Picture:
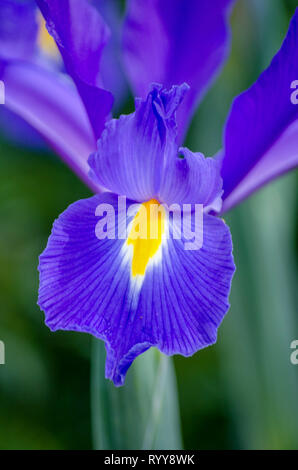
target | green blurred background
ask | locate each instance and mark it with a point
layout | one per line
(240, 393)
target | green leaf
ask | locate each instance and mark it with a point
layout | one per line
(261, 383)
(144, 413)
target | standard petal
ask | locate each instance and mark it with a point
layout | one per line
(261, 130)
(176, 41)
(190, 178)
(81, 35)
(51, 105)
(87, 285)
(132, 150)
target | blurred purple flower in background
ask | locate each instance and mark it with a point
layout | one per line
(169, 42)
(29, 45)
(39, 95)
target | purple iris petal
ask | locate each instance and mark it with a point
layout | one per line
(270, 166)
(261, 131)
(190, 178)
(131, 152)
(81, 35)
(88, 284)
(85, 285)
(176, 41)
(51, 105)
(18, 29)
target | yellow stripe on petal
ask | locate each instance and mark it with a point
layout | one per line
(148, 227)
(44, 40)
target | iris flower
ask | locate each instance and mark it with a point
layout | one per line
(136, 293)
